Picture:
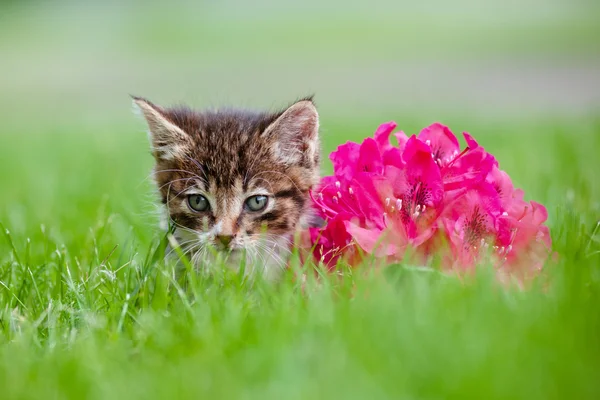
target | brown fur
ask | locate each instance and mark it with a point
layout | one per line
(229, 154)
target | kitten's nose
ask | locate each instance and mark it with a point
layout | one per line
(224, 239)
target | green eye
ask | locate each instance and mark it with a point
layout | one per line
(257, 203)
(198, 202)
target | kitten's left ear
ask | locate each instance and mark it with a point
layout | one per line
(295, 135)
(168, 140)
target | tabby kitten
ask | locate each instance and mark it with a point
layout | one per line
(235, 184)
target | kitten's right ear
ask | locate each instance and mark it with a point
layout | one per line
(167, 139)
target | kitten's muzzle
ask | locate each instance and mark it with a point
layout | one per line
(224, 240)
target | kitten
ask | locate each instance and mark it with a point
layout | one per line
(235, 184)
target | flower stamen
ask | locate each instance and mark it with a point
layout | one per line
(399, 204)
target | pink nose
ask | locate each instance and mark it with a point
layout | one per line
(224, 239)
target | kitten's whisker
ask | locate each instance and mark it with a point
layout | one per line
(255, 256)
(259, 156)
(175, 180)
(169, 192)
(268, 183)
(187, 247)
(184, 253)
(264, 261)
(276, 244)
(153, 174)
(183, 246)
(195, 259)
(168, 199)
(280, 173)
(274, 241)
(287, 240)
(250, 258)
(183, 228)
(200, 167)
(276, 257)
(177, 170)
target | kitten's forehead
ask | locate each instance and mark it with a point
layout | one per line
(226, 145)
(233, 124)
(231, 153)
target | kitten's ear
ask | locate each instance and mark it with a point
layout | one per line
(168, 140)
(295, 134)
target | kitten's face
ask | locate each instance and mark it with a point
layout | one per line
(235, 184)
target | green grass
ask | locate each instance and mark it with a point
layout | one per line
(89, 310)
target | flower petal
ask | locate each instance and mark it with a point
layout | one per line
(369, 159)
(372, 241)
(441, 140)
(382, 134)
(471, 142)
(469, 169)
(344, 160)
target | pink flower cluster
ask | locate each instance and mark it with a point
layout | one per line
(425, 198)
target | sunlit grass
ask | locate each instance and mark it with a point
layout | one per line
(88, 308)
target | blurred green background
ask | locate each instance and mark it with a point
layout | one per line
(86, 312)
(513, 73)
(78, 59)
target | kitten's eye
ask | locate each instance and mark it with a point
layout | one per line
(257, 203)
(198, 202)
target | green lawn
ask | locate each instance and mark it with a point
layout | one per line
(89, 310)
(86, 309)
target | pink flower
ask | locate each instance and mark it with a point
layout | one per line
(382, 135)
(470, 224)
(411, 198)
(524, 242)
(330, 243)
(422, 194)
(467, 169)
(444, 145)
(531, 243)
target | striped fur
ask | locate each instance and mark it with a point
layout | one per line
(228, 156)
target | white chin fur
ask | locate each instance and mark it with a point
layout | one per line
(267, 258)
